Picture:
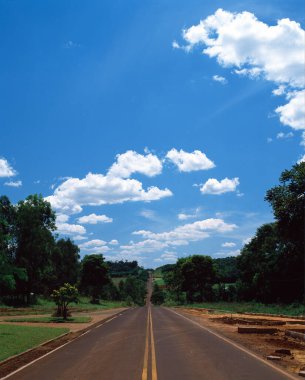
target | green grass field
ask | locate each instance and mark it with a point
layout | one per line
(51, 320)
(159, 281)
(252, 307)
(45, 306)
(16, 339)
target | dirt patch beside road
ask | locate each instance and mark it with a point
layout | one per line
(262, 344)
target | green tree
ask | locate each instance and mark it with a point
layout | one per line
(288, 203)
(9, 272)
(258, 264)
(158, 295)
(63, 297)
(94, 276)
(65, 263)
(35, 222)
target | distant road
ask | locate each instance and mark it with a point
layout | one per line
(149, 343)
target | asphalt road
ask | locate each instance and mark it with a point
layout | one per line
(149, 343)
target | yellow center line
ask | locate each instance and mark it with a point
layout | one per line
(149, 334)
(153, 352)
(145, 365)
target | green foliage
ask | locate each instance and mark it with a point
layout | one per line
(226, 269)
(63, 297)
(158, 295)
(65, 263)
(82, 319)
(133, 289)
(122, 268)
(35, 222)
(94, 276)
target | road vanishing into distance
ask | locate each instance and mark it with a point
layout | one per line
(149, 343)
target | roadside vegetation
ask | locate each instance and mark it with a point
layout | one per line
(16, 339)
(82, 319)
(267, 276)
(39, 270)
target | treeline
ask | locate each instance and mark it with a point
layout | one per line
(270, 268)
(34, 261)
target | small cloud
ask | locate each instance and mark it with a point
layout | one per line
(148, 214)
(79, 237)
(228, 245)
(5, 169)
(37, 182)
(220, 79)
(94, 219)
(13, 183)
(269, 139)
(113, 242)
(213, 186)
(281, 135)
(175, 45)
(281, 90)
(71, 45)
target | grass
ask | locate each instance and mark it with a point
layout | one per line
(159, 281)
(51, 320)
(16, 339)
(45, 306)
(252, 307)
(116, 280)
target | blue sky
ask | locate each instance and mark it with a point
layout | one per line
(198, 124)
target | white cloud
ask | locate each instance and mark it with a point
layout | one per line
(148, 214)
(70, 229)
(132, 162)
(5, 169)
(184, 216)
(179, 236)
(256, 49)
(228, 253)
(213, 186)
(113, 242)
(188, 162)
(293, 113)
(97, 190)
(93, 243)
(62, 218)
(282, 135)
(13, 183)
(79, 237)
(175, 45)
(228, 245)
(220, 79)
(94, 246)
(168, 256)
(94, 219)
(281, 90)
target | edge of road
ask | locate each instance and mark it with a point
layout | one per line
(71, 337)
(236, 345)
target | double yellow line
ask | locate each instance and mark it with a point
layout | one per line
(149, 339)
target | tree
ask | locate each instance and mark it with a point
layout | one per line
(288, 203)
(259, 277)
(63, 297)
(9, 272)
(65, 263)
(94, 276)
(35, 222)
(198, 275)
(158, 296)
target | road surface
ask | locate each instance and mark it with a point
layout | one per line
(149, 343)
